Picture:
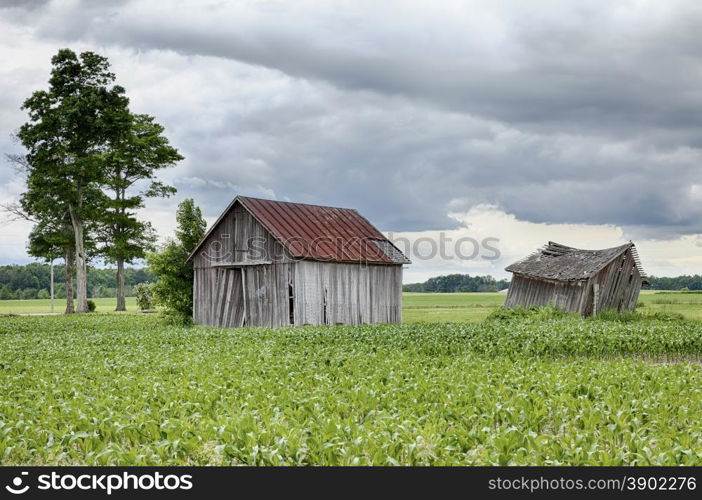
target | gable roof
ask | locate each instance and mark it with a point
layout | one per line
(318, 232)
(560, 262)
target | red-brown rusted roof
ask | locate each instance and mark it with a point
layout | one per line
(320, 233)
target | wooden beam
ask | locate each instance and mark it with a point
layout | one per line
(243, 263)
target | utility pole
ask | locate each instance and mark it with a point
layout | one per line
(52, 286)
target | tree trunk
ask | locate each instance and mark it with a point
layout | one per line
(81, 262)
(121, 303)
(68, 282)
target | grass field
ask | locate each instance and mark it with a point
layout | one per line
(421, 307)
(40, 306)
(473, 307)
(123, 389)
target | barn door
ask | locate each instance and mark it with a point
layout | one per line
(229, 298)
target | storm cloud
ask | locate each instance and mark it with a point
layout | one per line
(555, 112)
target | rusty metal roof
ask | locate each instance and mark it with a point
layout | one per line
(559, 262)
(318, 232)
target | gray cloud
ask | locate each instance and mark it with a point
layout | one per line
(570, 113)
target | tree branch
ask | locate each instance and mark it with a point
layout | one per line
(13, 213)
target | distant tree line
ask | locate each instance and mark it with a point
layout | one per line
(693, 282)
(453, 283)
(32, 281)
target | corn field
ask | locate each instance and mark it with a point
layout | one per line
(122, 389)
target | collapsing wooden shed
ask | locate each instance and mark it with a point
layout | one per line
(583, 281)
(271, 264)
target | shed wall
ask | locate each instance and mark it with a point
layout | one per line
(528, 291)
(218, 292)
(619, 284)
(349, 294)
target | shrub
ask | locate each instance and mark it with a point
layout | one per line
(532, 312)
(173, 290)
(144, 296)
(91, 305)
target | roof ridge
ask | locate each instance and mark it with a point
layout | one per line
(294, 203)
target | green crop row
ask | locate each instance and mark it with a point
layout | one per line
(121, 389)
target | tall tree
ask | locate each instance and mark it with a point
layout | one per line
(174, 286)
(70, 127)
(134, 156)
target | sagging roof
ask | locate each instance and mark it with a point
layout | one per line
(559, 262)
(318, 232)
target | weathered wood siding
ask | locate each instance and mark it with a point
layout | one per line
(527, 291)
(615, 287)
(239, 237)
(259, 295)
(618, 285)
(266, 294)
(218, 292)
(335, 293)
(217, 298)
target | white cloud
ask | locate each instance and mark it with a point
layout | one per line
(518, 238)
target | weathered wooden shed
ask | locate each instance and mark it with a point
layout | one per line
(271, 264)
(583, 281)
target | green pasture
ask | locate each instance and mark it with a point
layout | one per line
(475, 307)
(41, 306)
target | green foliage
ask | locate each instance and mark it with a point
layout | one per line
(629, 316)
(453, 283)
(52, 238)
(69, 127)
(91, 305)
(521, 313)
(16, 278)
(191, 226)
(173, 289)
(144, 296)
(123, 390)
(135, 156)
(685, 282)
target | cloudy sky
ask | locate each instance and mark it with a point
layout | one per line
(579, 122)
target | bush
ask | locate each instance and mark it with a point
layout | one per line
(520, 313)
(144, 296)
(91, 305)
(173, 290)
